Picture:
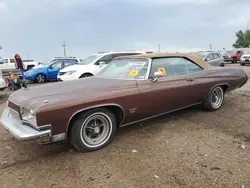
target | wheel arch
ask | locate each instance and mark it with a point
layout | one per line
(115, 108)
(86, 73)
(225, 86)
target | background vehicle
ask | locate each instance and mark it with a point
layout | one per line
(237, 53)
(7, 64)
(88, 112)
(2, 81)
(228, 55)
(49, 71)
(212, 58)
(245, 58)
(91, 65)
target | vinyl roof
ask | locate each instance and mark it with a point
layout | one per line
(198, 60)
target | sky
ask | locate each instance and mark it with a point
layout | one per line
(37, 28)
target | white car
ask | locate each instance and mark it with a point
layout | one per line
(2, 81)
(245, 58)
(91, 65)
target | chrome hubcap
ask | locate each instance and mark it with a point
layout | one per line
(96, 130)
(217, 97)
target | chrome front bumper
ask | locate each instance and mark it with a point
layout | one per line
(18, 129)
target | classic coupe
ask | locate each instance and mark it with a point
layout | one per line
(87, 112)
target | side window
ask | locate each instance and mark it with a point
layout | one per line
(216, 56)
(5, 61)
(57, 65)
(1, 62)
(174, 66)
(209, 57)
(106, 59)
(69, 62)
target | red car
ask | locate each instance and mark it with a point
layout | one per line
(235, 55)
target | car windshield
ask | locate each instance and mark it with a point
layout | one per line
(89, 60)
(127, 68)
(247, 51)
(229, 52)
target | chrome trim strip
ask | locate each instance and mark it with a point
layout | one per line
(96, 106)
(123, 125)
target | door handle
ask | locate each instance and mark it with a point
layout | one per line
(190, 80)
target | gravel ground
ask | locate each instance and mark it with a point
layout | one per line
(189, 148)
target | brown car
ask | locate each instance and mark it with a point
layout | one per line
(88, 111)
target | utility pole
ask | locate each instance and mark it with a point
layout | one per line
(64, 48)
(247, 25)
(28, 56)
(159, 48)
(210, 47)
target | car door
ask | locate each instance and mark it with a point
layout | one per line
(216, 59)
(210, 59)
(54, 69)
(177, 89)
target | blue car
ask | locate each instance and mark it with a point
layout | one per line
(48, 72)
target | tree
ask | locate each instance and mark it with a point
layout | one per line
(243, 39)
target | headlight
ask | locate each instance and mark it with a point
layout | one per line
(28, 115)
(29, 73)
(70, 72)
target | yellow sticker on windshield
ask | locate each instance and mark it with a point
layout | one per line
(133, 73)
(162, 69)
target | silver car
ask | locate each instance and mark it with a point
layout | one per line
(213, 58)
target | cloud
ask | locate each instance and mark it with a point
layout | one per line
(88, 26)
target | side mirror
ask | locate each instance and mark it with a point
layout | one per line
(157, 75)
(101, 63)
(207, 59)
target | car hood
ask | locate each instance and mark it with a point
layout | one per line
(76, 67)
(41, 69)
(71, 91)
(245, 55)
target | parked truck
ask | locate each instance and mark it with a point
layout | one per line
(7, 64)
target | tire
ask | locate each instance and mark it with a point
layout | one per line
(242, 64)
(213, 103)
(222, 65)
(92, 123)
(86, 75)
(40, 78)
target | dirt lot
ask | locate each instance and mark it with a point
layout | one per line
(190, 148)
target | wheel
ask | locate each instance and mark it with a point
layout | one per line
(242, 64)
(214, 100)
(222, 65)
(93, 130)
(86, 75)
(40, 78)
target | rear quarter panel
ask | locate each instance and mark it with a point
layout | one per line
(228, 76)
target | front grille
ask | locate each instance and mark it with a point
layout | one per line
(61, 73)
